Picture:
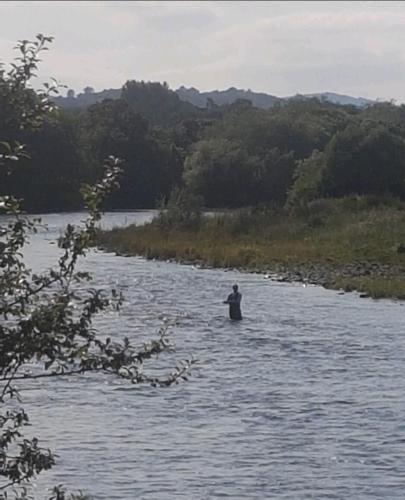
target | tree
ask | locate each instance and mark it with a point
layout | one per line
(308, 178)
(227, 174)
(298, 127)
(157, 103)
(46, 319)
(153, 165)
(88, 90)
(274, 177)
(366, 159)
(222, 172)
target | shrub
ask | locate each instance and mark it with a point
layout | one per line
(182, 211)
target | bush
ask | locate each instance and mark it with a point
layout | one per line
(182, 211)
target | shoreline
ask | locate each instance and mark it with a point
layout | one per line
(348, 249)
(315, 274)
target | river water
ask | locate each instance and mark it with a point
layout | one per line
(305, 398)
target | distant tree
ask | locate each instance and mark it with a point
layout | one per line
(187, 133)
(70, 94)
(308, 180)
(273, 177)
(211, 103)
(153, 164)
(227, 175)
(157, 103)
(294, 127)
(388, 114)
(365, 159)
(88, 90)
(222, 172)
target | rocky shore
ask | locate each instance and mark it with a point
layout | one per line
(347, 277)
(337, 277)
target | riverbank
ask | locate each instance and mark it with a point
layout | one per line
(339, 246)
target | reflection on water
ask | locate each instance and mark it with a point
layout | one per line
(302, 399)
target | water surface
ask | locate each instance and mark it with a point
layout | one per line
(302, 399)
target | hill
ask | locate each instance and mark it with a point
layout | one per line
(223, 97)
(343, 100)
(214, 97)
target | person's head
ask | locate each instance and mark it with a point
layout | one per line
(235, 288)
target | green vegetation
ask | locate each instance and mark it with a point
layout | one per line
(233, 155)
(350, 244)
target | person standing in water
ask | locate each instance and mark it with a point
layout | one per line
(234, 300)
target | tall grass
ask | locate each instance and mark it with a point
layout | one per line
(335, 234)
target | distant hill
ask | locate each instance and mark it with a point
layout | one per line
(343, 100)
(86, 98)
(261, 100)
(222, 97)
(214, 97)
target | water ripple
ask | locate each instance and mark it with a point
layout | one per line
(302, 399)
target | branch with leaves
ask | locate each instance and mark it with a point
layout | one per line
(46, 320)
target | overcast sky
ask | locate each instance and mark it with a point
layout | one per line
(281, 48)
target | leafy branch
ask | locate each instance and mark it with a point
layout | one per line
(46, 320)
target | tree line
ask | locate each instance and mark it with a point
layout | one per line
(231, 156)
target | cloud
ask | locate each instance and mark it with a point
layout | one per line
(281, 48)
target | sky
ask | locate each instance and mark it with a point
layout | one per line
(281, 48)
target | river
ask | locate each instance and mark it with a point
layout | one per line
(305, 398)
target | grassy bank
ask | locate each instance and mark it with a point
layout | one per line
(347, 244)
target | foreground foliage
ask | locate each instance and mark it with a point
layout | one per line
(46, 319)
